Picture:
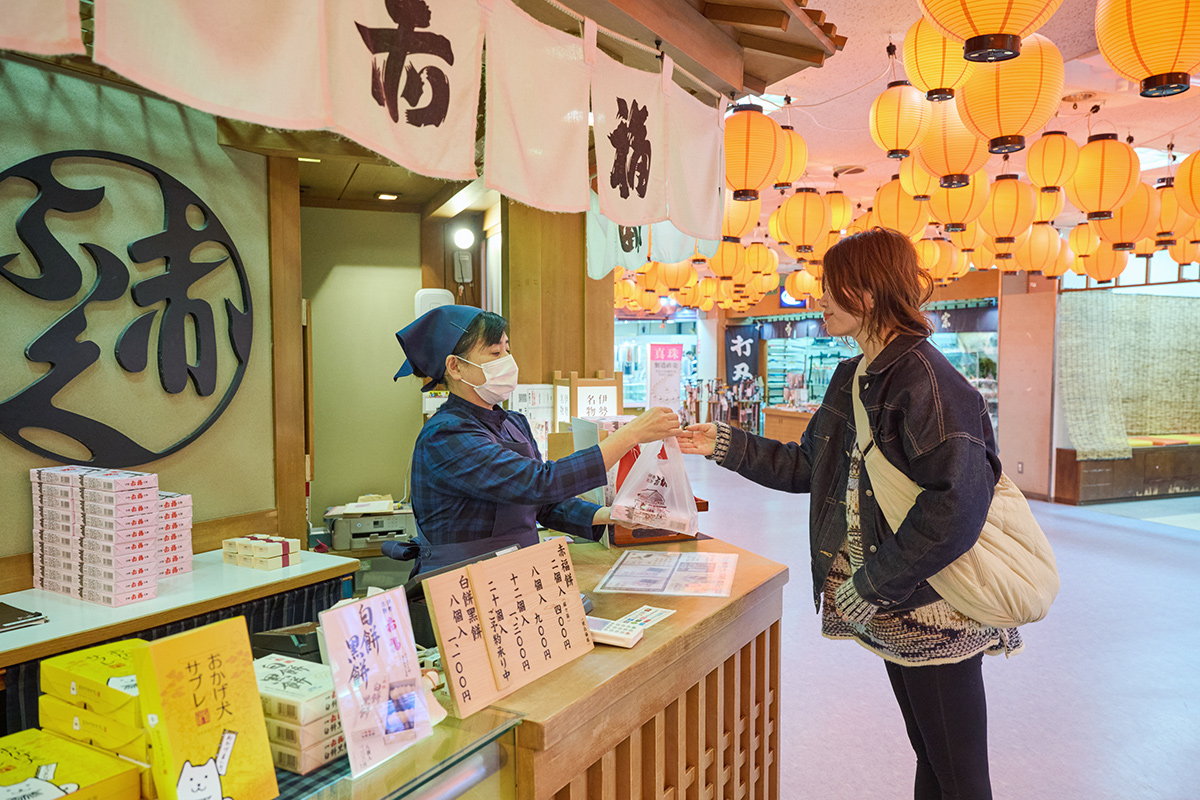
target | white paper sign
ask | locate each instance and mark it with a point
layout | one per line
(665, 376)
(596, 401)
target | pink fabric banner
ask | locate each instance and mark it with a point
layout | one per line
(629, 123)
(254, 61)
(404, 80)
(44, 27)
(695, 160)
(537, 112)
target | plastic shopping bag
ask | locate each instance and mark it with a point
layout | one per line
(656, 493)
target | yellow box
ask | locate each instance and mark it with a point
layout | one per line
(89, 727)
(100, 679)
(36, 763)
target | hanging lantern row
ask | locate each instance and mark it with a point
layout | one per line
(990, 30)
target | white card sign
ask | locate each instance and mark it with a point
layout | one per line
(665, 376)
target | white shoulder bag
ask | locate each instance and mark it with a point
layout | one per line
(1009, 577)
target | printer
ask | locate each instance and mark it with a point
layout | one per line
(361, 532)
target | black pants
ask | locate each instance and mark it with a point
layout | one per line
(945, 712)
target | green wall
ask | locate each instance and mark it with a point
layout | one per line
(230, 468)
(361, 270)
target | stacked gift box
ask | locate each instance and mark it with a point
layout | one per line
(91, 697)
(260, 552)
(95, 533)
(174, 534)
(303, 725)
(40, 764)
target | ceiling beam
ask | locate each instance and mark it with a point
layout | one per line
(802, 18)
(454, 199)
(744, 15)
(696, 44)
(786, 49)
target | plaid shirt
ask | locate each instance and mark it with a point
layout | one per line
(461, 472)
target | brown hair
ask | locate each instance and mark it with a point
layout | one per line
(883, 262)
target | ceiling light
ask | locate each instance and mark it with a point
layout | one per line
(387, 195)
(309, 160)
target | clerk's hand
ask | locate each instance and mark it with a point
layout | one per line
(653, 425)
(698, 440)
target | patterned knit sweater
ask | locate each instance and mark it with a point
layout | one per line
(932, 634)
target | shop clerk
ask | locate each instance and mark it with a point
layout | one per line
(478, 480)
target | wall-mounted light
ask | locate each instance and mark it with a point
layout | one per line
(387, 195)
(464, 238)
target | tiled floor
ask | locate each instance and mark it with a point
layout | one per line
(1104, 702)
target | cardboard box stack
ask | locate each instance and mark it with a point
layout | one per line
(174, 534)
(95, 533)
(91, 696)
(40, 764)
(261, 552)
(303, 725)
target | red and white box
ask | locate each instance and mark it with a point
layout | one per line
(175, 536)
(178, 558)
(119, 548)
(168, 501)
(143, 558)
(123, 599)
(148, 533)
(119, 498)
(118, 524)
(174, 549)
(119, 480)
(175, 569)
(69, 574)
(68, 589)
(69, 504)
(42, 550)
(71, 475)
(138, 508)
(64, 566)
(120, 574)
(55, 519)
(58, 491)
(177, 515)
(142, 582)
(176, 527)
(56, 538)
(277, 562)
(67, 528)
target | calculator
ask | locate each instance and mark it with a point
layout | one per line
(614, 632)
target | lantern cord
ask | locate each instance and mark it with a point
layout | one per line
(843, 94)
(657, 53)
(1187, 124)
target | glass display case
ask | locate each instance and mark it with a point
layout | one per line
(632, 340)
(462, 758)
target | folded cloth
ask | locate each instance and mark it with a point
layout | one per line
(851, 605)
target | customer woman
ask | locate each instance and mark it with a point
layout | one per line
(478, 481)
(871, 582)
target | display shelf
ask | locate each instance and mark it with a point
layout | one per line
(209, 586)
(476, 753)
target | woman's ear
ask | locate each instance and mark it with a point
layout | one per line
(456, 374)
(868, 302)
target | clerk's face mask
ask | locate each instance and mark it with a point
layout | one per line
(499, 379)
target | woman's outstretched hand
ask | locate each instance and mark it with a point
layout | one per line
(698, 439)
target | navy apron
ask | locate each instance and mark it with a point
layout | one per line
(515, 524)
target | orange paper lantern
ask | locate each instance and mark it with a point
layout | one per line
(899, 119)
(795, 158)
(740, 216)
(805, 219)
(990, 30)
(1063, 263)
(755, 149)
(1133, 221)
(1153, 42)
(916, 181)
(950, 151)
(729, 260)
(959, 205)
(1106, 264)
(1009, 210)
(1105, 177)
(1051, 161)
(1187, 185)
(1039, 253)
(969, 238)
(841, 210)
(1184, 252)
(934, 63)
(677, 276)
(896, 209)
(761, 259)
(1083, 239)
(1047, 205)
(1006, 101)
(1172, 219)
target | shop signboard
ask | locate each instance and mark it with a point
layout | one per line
(741, 354)
(376, 677)
(504, 622)
(665, 376)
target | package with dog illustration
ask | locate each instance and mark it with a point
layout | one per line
(201, 709)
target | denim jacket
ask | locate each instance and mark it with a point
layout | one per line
(929, 422)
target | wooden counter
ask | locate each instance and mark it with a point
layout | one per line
(691, 711)
(785, 424)
(1151, 472)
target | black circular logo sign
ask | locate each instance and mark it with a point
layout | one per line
(172, 313)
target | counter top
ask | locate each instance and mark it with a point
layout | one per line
(578, 694)
(210, 585)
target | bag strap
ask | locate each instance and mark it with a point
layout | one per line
(894, 491)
